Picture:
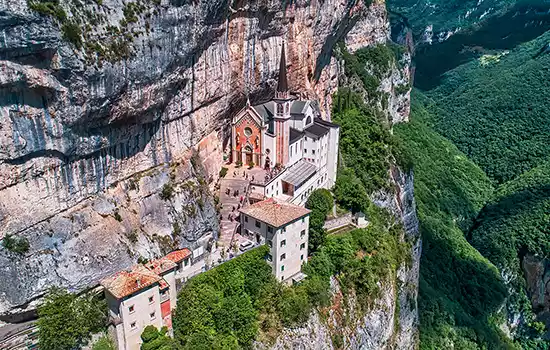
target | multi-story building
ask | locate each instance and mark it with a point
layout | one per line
(284, 227)
(289, 140)
(145, 295)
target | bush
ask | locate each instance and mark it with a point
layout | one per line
(153, 339)
(87, 314)
(250, 165)
(104, 343)
(223, 172)
(18, 245)
(72, 33)
(167, 192)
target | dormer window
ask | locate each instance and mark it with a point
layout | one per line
(308, 120)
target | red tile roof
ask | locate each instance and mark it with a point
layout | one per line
(178, 255)
(124, 283)
(160, 266)
(275, 213)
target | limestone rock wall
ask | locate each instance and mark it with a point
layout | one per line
(86, 145)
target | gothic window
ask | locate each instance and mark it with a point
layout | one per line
(247, 132)
(308, 120)
(248, 148)
(279, 108)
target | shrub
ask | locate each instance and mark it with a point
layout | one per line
(104, 343)
(349, 191)
(153, 339)
(72, 33)
(167, 192)
(239, 163)
(250, 165)
(19, 245)
(117, 216)
(223, 172)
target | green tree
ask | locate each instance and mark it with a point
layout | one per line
(104, 343)
(349, 191)
(321, 200)
(153, 339)
(86, 314)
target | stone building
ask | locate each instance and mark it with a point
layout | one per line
(284, 227)
(289, 140)
(145, 295)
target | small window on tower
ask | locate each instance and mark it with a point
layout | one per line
(247, 131)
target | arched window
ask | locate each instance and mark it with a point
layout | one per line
(308, 120)
(248, 149)
(247, 131)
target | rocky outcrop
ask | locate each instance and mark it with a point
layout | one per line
(536, 270)
(91, 130)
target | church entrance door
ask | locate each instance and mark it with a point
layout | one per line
(248, 158)
(248, 155)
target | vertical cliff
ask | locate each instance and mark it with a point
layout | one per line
(95, 119)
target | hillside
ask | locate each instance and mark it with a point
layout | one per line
(513, 232)
(494, 109)
(460, 290)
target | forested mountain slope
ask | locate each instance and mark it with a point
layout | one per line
(495, 109)
(460, 290)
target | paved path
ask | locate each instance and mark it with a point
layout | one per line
(228, 202)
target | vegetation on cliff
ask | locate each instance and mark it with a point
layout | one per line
(460, 290)
(240, 301)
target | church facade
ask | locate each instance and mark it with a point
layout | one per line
(289, 140)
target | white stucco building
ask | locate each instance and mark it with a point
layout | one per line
(284, 227)
(145, 295)
(289, 140)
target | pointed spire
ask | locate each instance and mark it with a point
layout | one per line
(282, 86)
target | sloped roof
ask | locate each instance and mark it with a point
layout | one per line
(298, 107)
(160, 266)
(325, 123)
(178, 255)
(316, 130)
(266, 111)
(275, 213)
(124, 283)
(295, 135)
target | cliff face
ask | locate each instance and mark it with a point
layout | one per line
(88, 135)
(392, 322)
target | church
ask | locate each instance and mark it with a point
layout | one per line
(296, 149)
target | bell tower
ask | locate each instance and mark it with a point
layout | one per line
(282, 104)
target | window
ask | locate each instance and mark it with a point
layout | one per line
(152, 316)
(312, 151)
(131, 309)
(303, 219)
(258, 224)
(284, 229)
(302, 257)
(247, 131)
(269, 229)
(282, 257)
(302, 234)
(302, 246)
(246, 219)
(151, 299)
(306, 138)
(270, 244)
(282, 267)
(269, 258)
(186, 262)
(283, 243)
(133, 325)
(305, 150)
